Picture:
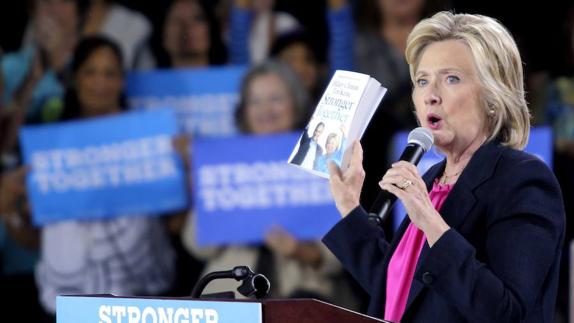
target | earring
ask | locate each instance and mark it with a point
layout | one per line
(491, 110)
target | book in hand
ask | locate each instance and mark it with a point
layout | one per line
(341, 117)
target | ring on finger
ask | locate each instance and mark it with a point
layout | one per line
(405, 183)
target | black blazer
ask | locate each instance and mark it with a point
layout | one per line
(498, 262)
(304, 144)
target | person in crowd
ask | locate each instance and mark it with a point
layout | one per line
(35, 76)
(296, 49)
(485, 227)
(274, 101)
(190, 38)
(128, 28)
(12, 116)
(16, 230)
(76, 255)
(254, 26)
(32, 91)
(19, 241)
(558, 105)
(553, 94)
(309, 147)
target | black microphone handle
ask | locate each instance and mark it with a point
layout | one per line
(200, 286)
(384, 202)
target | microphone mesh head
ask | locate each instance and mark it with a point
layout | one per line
(421, 136)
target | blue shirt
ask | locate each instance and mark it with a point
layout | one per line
(47, 97)
(322, 161)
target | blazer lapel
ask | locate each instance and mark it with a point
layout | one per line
(461, 198)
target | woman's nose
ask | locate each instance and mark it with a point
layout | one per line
(433, 98)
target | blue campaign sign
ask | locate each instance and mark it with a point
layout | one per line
(104, 167)
(109, 309)
(204, 99)
(539, 144)
(243, 186)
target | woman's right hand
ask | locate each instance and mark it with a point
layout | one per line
(346, 186)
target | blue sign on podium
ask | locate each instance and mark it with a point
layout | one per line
(111, 309)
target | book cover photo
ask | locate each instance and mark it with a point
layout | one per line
(341, 116)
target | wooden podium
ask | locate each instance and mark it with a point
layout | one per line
(113, 309)
(310, 311)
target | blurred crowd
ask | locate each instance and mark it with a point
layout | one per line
(71, 64)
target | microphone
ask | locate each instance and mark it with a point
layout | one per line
(252, 284)
(420, 140)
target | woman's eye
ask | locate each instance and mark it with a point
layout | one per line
(452, 79)
(421, 82)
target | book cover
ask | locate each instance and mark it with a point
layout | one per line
(340, 117)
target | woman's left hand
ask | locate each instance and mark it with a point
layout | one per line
(404, 181)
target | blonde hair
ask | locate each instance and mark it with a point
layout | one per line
(335, 137)
(497, 62)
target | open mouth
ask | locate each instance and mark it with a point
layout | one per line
(433, 121)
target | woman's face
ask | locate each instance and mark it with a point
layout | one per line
(55, 24)
(331, 145)
(447, 96)
(186, 30)
(99, 83)
(56, 15)
(301, 60)
(269, 106)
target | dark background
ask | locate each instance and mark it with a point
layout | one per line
(537, 26)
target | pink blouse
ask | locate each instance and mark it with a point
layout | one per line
(404, 260)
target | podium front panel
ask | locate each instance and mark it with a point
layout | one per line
(110, 309)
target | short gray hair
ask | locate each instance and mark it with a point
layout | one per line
(297, 91)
